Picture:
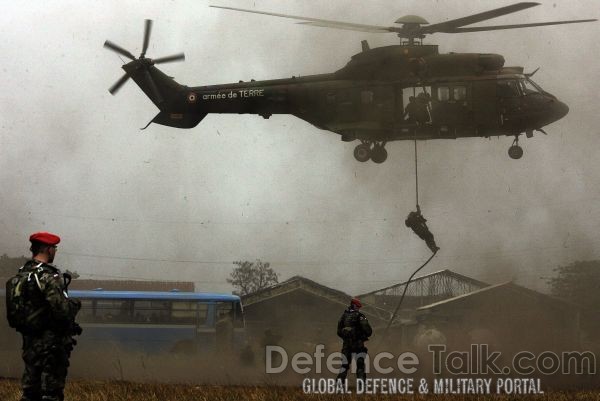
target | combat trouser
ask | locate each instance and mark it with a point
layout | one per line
(46, 358)
(353, 351)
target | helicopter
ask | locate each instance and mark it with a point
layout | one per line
(407, 91)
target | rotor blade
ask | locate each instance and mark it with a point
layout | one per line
(153, 88)
(147, 31)
(348, 26)
(117, 85)
(168, 59)
(110, 45)
(471, 19)
(499, 27)
(319, 22)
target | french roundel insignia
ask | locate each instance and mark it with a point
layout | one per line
(192, 97)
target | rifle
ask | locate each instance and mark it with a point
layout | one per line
(74, 328)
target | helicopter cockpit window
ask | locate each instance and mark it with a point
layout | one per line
(528, 86)
(443, 93)
(508, 89)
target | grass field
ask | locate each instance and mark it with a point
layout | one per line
(122, 391)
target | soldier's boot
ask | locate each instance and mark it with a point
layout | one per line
(432, 246)
(343, 373)
(31, 396)
(53, 397)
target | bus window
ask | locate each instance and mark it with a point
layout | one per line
(151, 311)
(113, 310)
(224, 310)
(184, 312)
(459, 92)
(202, 314)
(443, 93)
(86, 313)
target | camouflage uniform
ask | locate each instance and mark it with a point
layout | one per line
(417, 223)
(46, 352)
(354, 329)
(417, 112)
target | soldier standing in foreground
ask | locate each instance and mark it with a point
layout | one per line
(354, 328)
(39, 307)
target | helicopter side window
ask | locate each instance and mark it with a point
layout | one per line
(459, 92)
(366, 97)
(443, 93)
(508, 89)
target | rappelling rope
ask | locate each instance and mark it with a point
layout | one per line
(403, 294)
(391, 321)
(416, 172)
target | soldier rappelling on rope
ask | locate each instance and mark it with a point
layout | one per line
(416, 222)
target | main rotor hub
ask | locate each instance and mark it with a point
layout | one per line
(411, 20)
(411, 28)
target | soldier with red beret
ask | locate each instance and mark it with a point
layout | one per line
(39, 307)
(354, 328)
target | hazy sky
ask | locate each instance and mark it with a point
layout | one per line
(184, 204)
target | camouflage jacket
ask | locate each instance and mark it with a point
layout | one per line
(60, 309)
(353, 327)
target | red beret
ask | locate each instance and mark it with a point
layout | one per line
(356, 302)
(45, 238)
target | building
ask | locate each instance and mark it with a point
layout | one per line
(506, 316)
(300, 312)
(458, 310)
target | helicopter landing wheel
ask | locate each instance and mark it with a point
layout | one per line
(515, 151)
(362, 152)
(378, 154)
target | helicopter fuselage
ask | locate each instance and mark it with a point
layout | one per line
(459, 95)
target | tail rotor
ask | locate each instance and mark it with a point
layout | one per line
(141, 63)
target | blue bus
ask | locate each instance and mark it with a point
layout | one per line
(155, 322)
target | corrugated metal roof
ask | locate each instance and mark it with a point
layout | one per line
(507, 285)
(445, 272)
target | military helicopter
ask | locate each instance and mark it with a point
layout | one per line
(400, 92)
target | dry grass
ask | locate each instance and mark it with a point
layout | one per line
(122, 391)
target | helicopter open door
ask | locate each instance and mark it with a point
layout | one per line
(422, 93)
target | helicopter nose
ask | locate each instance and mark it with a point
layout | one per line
(559, 109)
(554, 110)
